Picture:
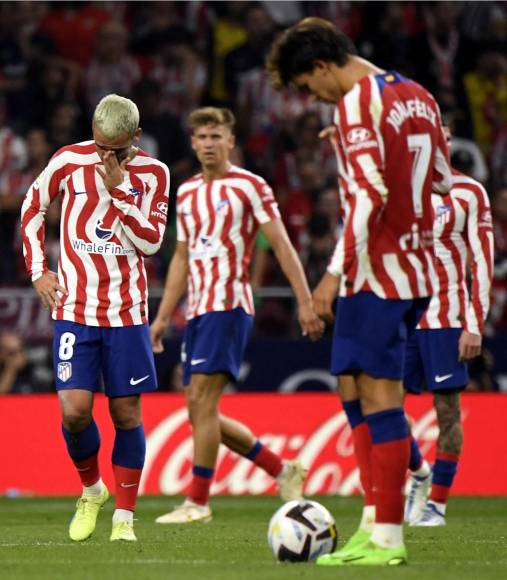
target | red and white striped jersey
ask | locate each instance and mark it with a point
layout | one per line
(462, 229)
(391, 155)
(103, 236)
(219, 220)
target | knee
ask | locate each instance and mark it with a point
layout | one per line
(200, 406)
(125, 416)
(76, 419)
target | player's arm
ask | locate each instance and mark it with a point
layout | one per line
(175, 287)
(480, 247)
(365, 161)
(144, 226)
(38, 198)
(287, 257)
(442, 171)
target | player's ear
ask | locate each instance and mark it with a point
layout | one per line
(232, 141)
(137, 135)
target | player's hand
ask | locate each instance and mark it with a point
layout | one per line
(47, 288)
(112, 176)
(330, 133)
(157, 331)
(469, 345)
(311, 325)
(324, 295)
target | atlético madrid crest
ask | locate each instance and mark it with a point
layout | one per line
(64, 371)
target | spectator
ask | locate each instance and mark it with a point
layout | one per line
(227, 33)
(112, 69)
(179, 72)
(166, 128)
(440, 56)
(73, 28)
(486, 89)
(498, 316)
(318, 248)
(387, 39)
(12, 362)
(298, 203)
(499, 160)
(260, 30)
(56, 82)
(308, 146)
(64, 125)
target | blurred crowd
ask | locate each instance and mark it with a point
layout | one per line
(57, 59)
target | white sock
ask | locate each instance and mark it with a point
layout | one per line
(94, 489)
(284, 469)
(387, 535)
(440, 506)
(368, 518)
(423, 471)
(123, 515)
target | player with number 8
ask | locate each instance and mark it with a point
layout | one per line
(114, 205)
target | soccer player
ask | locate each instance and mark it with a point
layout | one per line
(218, 214)
(391, 155)
(114, 206)
(449, 334)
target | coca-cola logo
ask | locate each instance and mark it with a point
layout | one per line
(326, 451)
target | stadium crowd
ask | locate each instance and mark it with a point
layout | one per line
(58, 59)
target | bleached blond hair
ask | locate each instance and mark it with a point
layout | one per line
(115, 115)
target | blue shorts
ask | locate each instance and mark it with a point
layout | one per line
(215, 343)
(371, 333)
(121, 355)
(432, 361)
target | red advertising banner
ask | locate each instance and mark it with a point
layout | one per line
(310, 426)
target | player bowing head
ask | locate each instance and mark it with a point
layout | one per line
(116, 127)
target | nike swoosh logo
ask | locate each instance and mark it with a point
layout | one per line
(83, 468)
(197, 361)
(128, 484)
(135, 382)
(79, 192)
(439, 379)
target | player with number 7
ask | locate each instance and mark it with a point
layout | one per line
(391, 155)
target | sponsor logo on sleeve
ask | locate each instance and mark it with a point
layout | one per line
(161, 212)
(359, 138)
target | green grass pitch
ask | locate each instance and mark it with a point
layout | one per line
(34, 543)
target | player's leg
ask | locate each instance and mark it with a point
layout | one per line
(370, 340)
(126, 377)
(446, 378)
(290, 475)
(349, 395)
(128, 460)
(77, 363)
(419, 482)
(203, 395)
(449, 444)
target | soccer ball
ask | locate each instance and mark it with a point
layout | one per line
(300, 531)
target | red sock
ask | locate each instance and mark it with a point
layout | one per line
(267, 460)
(389, 463)
(362, 449)
(127, 486)
(201, 483)
(88, 470)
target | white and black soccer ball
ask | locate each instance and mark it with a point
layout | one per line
(300, 531)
